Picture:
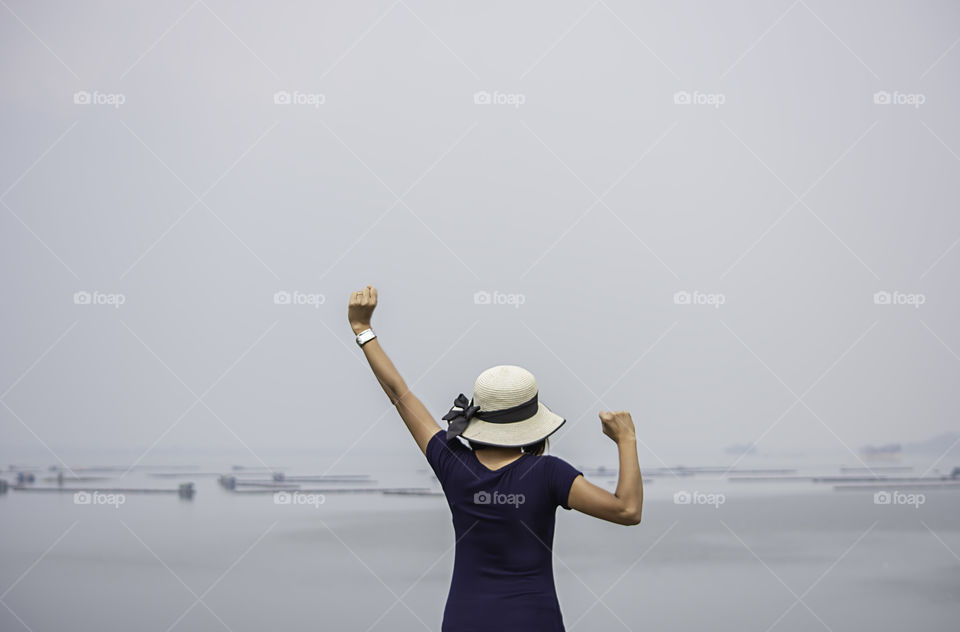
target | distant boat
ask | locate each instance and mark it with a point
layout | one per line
(889, 452)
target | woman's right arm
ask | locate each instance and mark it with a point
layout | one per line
(625, 506)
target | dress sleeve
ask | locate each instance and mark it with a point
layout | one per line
(443, 456)
(560, 475)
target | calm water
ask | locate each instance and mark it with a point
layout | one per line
(783, 556)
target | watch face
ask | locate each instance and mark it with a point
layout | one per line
(365, 336)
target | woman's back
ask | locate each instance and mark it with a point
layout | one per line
(503, 522)
(503, 518)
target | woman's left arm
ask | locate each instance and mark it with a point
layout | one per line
(415, 415)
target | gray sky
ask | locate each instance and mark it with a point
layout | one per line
(780, 162)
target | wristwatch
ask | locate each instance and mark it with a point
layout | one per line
(365, 336)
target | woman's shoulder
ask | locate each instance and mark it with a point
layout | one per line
(552, 463)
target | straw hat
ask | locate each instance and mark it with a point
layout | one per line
(510, 413)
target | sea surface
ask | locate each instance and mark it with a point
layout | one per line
(779, 555)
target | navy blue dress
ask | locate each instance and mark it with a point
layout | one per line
(503, 521)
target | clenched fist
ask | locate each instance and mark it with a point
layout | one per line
(618, 426)
(360, 309)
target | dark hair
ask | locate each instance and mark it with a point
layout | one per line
(536, 449)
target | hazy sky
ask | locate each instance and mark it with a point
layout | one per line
(582, 162)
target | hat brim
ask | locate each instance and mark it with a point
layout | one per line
(516, 433)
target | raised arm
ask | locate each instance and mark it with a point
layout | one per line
(625, 506)
(419, 422)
